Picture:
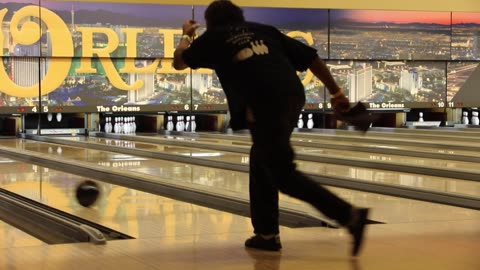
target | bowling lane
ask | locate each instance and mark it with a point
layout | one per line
(392, 145)
(144, 215)
(406, 160)
(396, 134)
(414, 141)
(244, 140)
(232, 183)
(425, 145)
(444, 145)
(11, 237)
(363, 174)
(138, 214)
(226, 182)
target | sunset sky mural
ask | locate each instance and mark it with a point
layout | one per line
(466, 17)
(399, 17)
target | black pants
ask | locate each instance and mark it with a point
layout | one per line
(272, 169)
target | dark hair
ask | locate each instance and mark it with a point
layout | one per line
(223, 12)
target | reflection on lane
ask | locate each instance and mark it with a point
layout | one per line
(313, 138)
(387, 208)
(235, 140)
(405, 160)
(11, 237)
(136, 213)
(381, 176)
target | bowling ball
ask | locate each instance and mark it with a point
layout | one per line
(87, 193)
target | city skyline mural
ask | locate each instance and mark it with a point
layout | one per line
(78, 56)
(465, 36)
(392, 84)
(389, 35)
(463, 81)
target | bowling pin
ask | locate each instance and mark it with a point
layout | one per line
(182, 124)
(420, 117)
(475, 120)
(130, 125)
(49, 117)
(188, 125)
(178, 125)
(115, 127)
(110, 127)
(310, 121)
(170, 123)
(59, 117)
(134, 124)
(300, 121)
(120, 125)
(465, 120)
(126, 127)
(105, 127)
(192, 123)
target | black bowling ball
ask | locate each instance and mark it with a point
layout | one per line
(87, 193)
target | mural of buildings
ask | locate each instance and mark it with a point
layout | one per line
(28, 71)
(411, 80)
(201, 82)
(148, 88)
(360, 83)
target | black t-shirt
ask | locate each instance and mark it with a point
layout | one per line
(255, 63)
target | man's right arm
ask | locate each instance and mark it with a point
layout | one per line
(301, 55)
(189, 28)
(178, 62)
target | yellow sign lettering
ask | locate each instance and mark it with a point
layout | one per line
(29, 34)
(25, 31)
(169, 41)
(131, 45)
(88, 51)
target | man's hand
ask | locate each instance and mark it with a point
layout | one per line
(189, 28)
(340, 103)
